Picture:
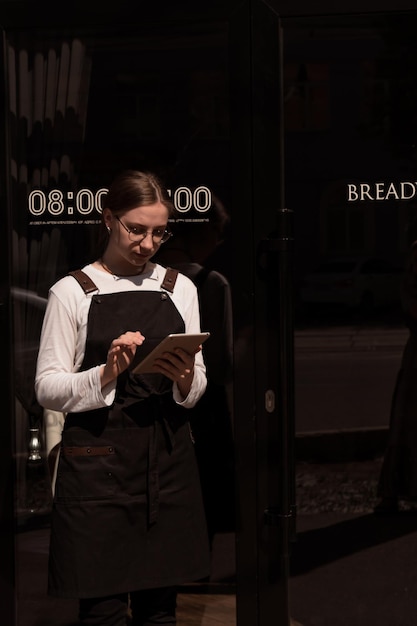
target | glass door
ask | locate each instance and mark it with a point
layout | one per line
(83, 105)
(350, 160)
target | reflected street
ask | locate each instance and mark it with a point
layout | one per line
(345, 377)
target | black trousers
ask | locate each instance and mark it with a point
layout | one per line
(147, 607)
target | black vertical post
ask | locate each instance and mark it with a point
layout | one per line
(279, 515)
(7, 473)
(273, 323)
(285, 267)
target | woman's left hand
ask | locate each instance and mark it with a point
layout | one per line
(178, 366)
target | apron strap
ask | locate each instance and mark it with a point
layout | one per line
(88, 285)
(169, 280)
(153, 467)
(153, 476)
(85, 281)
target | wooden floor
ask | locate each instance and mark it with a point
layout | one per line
(201, 609)
(199, 604)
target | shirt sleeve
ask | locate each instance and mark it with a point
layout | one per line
(58, 383)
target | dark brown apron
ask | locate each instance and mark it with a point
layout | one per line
(127, 510)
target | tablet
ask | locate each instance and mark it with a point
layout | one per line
(187, 341)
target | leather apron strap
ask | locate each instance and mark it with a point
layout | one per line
(85, 281)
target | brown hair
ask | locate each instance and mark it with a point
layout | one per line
(131, 189)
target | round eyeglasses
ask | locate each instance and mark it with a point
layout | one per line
(138, 233)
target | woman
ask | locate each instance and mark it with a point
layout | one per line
(128, 520)
(398, 478)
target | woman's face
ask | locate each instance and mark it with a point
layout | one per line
(135, 235)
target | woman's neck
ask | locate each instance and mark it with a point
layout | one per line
(112, 268)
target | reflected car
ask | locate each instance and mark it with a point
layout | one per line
(364, 283)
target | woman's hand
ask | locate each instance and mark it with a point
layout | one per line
(120, 355)
(178, 366)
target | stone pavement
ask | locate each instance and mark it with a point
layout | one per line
(348, 487)
(350, 567)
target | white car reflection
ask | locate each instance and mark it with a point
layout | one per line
(29, 297)
(361, 282)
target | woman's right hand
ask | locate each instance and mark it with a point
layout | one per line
(120, 355)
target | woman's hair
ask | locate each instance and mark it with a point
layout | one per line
(131, 189)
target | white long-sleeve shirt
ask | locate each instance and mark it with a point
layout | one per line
(59, 385)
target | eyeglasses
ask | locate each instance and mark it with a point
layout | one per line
(159, 235)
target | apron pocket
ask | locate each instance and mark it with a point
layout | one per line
(86, 484)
